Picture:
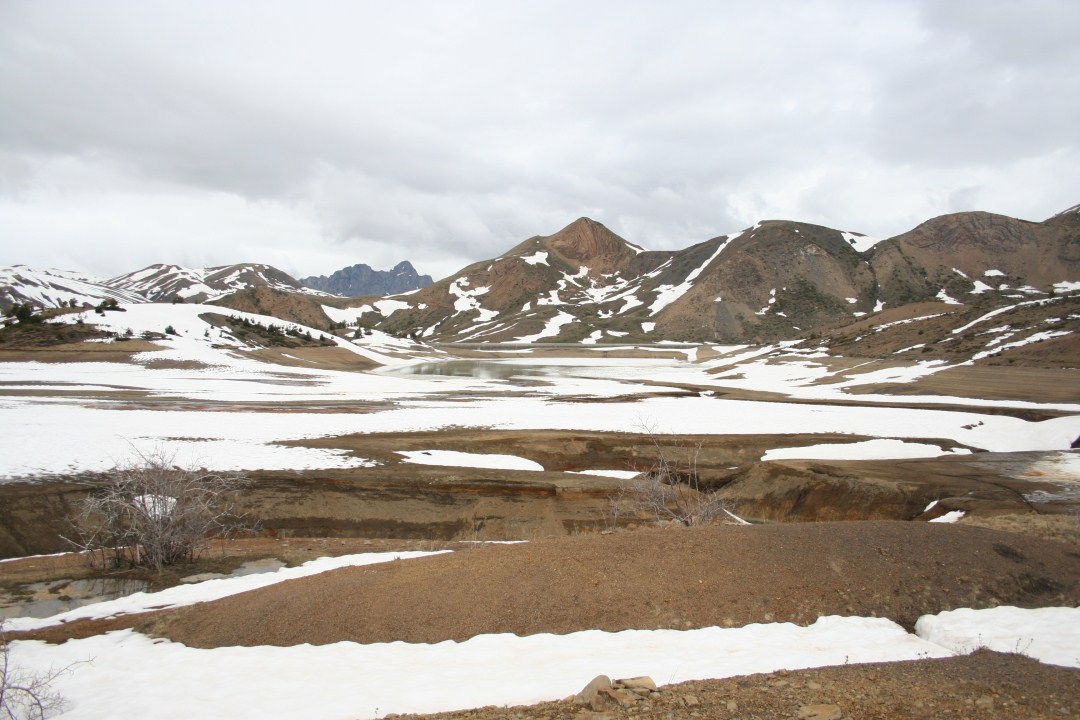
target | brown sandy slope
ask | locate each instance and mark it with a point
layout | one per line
(673, 578)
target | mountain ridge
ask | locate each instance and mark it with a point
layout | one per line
(777, 280)
(360, 280)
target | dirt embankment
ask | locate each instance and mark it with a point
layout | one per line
(396, 499)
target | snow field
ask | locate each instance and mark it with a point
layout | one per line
(129, 675)
(97, 437)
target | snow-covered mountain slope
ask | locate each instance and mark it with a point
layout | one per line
(586, 284)
(778, 280)
(53, 288)
(168, 282)
(774, 281)
(211, 334)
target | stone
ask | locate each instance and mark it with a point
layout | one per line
(623, 696)
(635, 683)
(690, 700)
(590, 691)
(820, 712)
(732, 706)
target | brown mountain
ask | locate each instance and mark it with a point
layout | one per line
(960, 253)
(777, 280)
(585, 283)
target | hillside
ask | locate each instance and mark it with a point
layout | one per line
(164, 283)
(775, 281)
(778, 280)
(54, 288)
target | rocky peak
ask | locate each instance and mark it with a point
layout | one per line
(360, 280)
(590, 243)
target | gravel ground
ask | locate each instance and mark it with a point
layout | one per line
(725, 576)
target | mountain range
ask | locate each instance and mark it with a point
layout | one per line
(360, 280)
(776, 280)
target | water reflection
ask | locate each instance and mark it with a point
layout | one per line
(482, 370)
(44, 599)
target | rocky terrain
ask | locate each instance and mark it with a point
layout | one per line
(360, 280)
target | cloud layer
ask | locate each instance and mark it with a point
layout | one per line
(321, 134)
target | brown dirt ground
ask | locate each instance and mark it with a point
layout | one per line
(668, 578)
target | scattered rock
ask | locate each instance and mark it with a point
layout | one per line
(590, 691)
(644, 682)
(820, 712)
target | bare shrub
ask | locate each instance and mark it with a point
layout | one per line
(671, 491)
(154, 513)
(24, 694)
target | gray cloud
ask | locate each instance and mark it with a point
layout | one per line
(321, 134)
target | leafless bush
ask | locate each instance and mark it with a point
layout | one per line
(154, 513)
(24, 694)
(671, 492)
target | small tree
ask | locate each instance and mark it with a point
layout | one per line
(154, 513)
(25, 694)
(24, 313)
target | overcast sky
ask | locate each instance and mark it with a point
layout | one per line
(315, 135)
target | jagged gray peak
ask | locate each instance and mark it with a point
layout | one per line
(359, 280)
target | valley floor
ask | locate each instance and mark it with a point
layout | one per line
(495, 449)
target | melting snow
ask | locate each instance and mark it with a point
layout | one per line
(452, 458)
(389, 307)
(539, 257)
(667, 294)
(866, 450)
(944, 297)
(861, 243)
(551, 329)
(949, 517)
(267, 683)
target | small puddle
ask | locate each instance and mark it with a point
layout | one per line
(45, 599)
(255, 567)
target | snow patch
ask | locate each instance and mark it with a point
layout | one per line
(453, 458)
(880, 449)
